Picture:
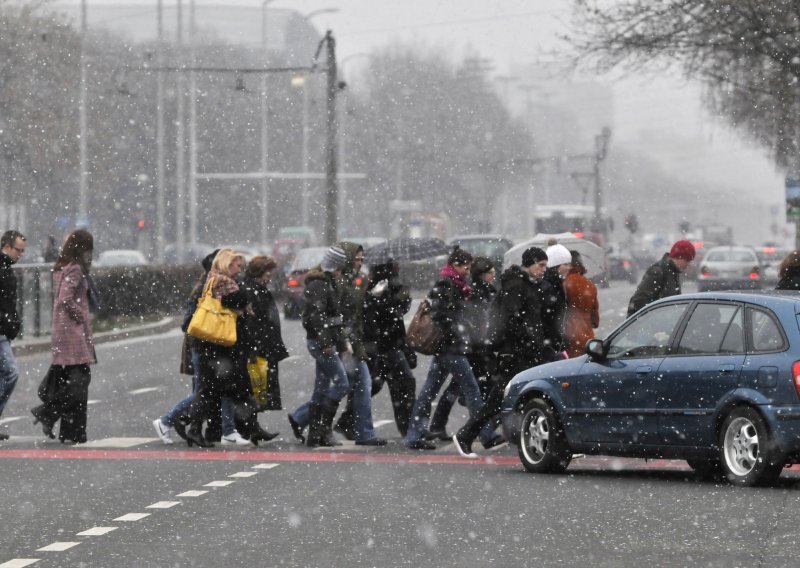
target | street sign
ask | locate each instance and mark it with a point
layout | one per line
(792, 198)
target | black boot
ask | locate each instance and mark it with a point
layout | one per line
(297, 430)
(261, 435)
(247, 421)
(194, 435)
(47, 419)
(316, 428)
(346, 423)
(329, 409)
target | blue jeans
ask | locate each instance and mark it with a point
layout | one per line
(182, 408)
(441, 367)
(361, 381)
(8, 371)
(330, 381)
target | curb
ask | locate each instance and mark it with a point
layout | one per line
(42, 344)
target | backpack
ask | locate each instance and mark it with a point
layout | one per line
(423, 336)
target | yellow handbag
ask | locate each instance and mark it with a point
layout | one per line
(258, 380)
(211, 322)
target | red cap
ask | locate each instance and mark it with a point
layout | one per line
(682, 249)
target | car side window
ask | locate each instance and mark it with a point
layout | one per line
(734, 337)
(648, 335)
(765, 334)
(709, 327)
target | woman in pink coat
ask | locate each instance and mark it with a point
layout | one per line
(72, 343)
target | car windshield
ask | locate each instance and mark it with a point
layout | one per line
(731, 256)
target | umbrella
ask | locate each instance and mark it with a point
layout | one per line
(404, 249)
(593, 256)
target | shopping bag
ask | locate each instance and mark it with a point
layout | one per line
(257, 370)
(211, 322)
(423, 335)
(49, 385)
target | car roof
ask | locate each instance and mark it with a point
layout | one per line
(478, 236)
(765, 298)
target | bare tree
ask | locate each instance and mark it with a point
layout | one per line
(746, 53)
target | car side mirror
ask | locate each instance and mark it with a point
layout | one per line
(595, 349)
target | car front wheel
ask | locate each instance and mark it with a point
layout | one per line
(747, 453)
(542, 444)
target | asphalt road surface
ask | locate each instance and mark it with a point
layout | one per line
(124, 499)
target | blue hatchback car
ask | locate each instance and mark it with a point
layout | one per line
(712, 378)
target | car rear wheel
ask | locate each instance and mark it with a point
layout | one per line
(542, 444)
(747, 452)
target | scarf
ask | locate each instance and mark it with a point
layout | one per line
(450, 272)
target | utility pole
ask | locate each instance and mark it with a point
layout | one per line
(332, 190)
(83, 191)
(160, 136)
(192, 127)
(180, 134)
(601, 149)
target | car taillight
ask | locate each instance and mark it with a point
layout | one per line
(359, 281)
(293, 283)
(754, 275)
(705, 272)
(626, 263)
(796, 376)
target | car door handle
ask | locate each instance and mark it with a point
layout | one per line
(644, 370)
(727, 368)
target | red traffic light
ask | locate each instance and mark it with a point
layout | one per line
(140, 224)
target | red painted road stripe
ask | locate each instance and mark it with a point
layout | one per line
(253, 456)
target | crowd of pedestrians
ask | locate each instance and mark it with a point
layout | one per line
(490, 328)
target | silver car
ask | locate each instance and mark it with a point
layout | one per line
(730, 268)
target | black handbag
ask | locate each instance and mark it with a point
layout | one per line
(49, 385)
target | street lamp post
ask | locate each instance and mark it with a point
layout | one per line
(264, 128)
(343, 140)
(83, 193)
(160, 136)
(192, 126)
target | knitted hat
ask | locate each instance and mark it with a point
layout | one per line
(334, 259)
(558, 255)
(682, 249)
(532, 256)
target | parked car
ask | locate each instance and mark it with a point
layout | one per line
(121, 257)
(304, 260)
(490, 246)
(729, 268)
(771, 258)
(709, 377)
(621, 266)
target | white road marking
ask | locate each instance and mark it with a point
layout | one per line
(244, 474)
(118, 442)
(264, 466)
(163, 505)
(90, 402)
(192, 493)
(9, 420)
(219, 484)
(292, 358)
(57, 547)
(18, 562)
(97, 531)
(380, 423)
(130, 517)
(144, 390)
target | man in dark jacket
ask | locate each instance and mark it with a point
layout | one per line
(12, 247)
(356, 420)
(325, 339)
(519, 337)
(662, 279)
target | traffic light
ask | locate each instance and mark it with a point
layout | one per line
(140, 224)
(632, 223)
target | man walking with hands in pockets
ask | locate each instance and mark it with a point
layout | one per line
(12, 247)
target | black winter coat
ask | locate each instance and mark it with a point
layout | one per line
(554, 312)
(790, 280)
(263, 327)
(661, 280)
(520, 308)
(322, 318)
(448, 311)
(9, 320)
(384, 328)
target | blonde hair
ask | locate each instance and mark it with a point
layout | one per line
(224, 259)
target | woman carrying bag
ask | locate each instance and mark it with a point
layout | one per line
(72, 342)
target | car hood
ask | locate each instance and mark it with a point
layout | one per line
(553, 371)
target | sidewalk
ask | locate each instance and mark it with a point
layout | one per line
(32, 345)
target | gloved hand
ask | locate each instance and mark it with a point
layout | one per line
(379, 288)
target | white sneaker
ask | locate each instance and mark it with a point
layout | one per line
(234, 439)
(162, 431)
